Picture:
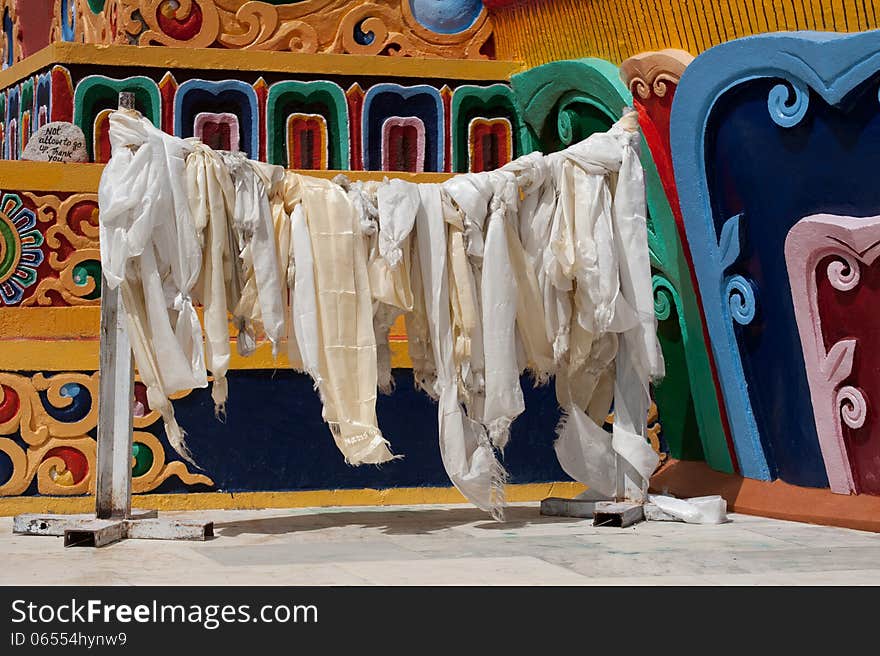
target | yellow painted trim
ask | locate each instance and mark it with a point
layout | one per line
(28, 66)
(82, 355)
(258, 61)
(49, 355)
(66, 339)
(39, 323)
(44, 176)
(84, 178)
(305, 499)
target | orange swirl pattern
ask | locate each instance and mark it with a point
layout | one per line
(379, 27)
(45, 423)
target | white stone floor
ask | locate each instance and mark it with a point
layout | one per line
(441, 545)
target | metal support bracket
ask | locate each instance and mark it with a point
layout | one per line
(618, 514)
(89, 531)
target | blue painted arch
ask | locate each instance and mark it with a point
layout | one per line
(233, 96)
(762, 133)
(383, 101)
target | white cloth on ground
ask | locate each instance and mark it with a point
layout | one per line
(696, 510)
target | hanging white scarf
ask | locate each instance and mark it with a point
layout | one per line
(464, 446)
(464, 304)
(601, 254)
(499, 300)
(212, 200)
(640, 359)
(346, 354)
(386, 289)
(389, 264)
(261, 301)
(150, 248)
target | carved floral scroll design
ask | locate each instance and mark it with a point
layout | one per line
(851, 243)
(788, 103)
(739, 291)
(73, 250)
(386, 27)
(52, 417)
(651, 73)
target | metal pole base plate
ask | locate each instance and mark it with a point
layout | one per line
(618, 514)
(88, 531)
(556, 507)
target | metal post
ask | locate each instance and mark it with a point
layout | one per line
(115, 399)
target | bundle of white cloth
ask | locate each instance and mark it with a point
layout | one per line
(541, 266)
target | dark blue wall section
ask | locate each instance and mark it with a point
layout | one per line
(198, 100)
(828, 162)
(385, 104)
(274, 438)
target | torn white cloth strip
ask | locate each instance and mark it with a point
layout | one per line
(212, 199)
(464, 305)
(304, 306)
(696, 510)
(639, 359)
(585, 453)
(398, 202)
(499, 300)
(262, 301)
(150, 247)
(347, 375)
(464, 446)
(599, 239)
(466, 201)
(631, 238)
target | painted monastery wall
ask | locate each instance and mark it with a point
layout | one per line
(759, 156)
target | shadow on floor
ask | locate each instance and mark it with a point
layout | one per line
(391, 522)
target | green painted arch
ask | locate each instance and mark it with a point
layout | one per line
(25, 106)
(26, 102)
(563, 103)
(679, 418)
(549, 91)
(97, 92)
(470, 101)
(311, 98)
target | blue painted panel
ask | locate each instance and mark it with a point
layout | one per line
(774, 128)
(275, 440)
(68, 19)
(385, 100)
(239, 98)
(8, 28)
(43, 98)
(274, 437)
(13, 132)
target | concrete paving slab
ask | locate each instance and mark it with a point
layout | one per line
(453, 545)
